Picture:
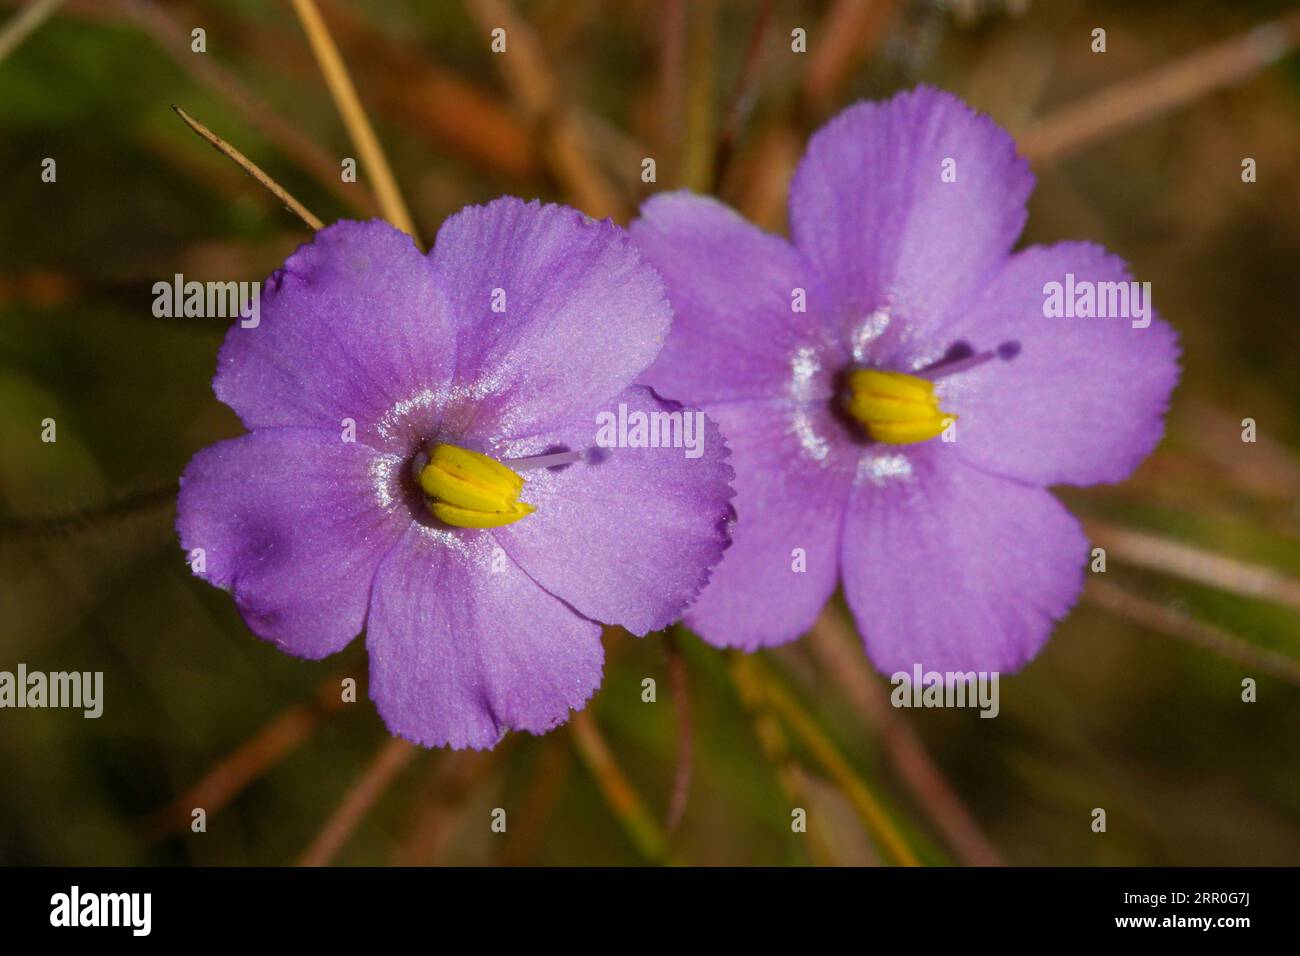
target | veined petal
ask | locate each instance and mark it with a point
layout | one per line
(748, 321)
(554, 313)
(293, 522)
(629, 535)
(1084, 400)
(903, 207)
(793, 474)
(354, 326)
(464, 646)
(954, 569)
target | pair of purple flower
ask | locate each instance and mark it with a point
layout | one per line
(884, 394)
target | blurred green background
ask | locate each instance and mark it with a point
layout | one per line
(1135, 705)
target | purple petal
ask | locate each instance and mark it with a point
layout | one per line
(584, 315)
(629, 535)
(736, 334)
(1083, 400)
(793, 473)
(465, 646)
(293, 522)
(353, 324)
(955, 569)
(870, 209)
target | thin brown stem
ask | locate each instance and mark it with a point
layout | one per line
(24, 23)
(248, 166)
(454, 776)
(621, 797)
(354, 117)
(742, 99)
(394, 754)
(847, 32)
(296, 145)
(1162, 618)
(1160, 90)
(776, 749)
(873, 814)
(1158, 553)
(250, 760)
(535, 91)
(680, 686)
(839, 652)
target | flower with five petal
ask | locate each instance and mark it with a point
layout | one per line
(840, 365)
(422, 463)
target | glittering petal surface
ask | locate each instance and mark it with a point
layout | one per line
(732, 287)
(627, 536)
(293, 522)
(460, 653)
(870, 210)
(353, 324)
(954, 569)
(584, 315)
(1084, 400)
(793, 472)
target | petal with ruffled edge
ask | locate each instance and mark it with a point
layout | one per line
(1084, 400)
(871, 210)
(626, 536)
(352, 325)
(734, 290)
(793, 473)
(464, 646)
(954, 569)
(293, 522)
(582, 316)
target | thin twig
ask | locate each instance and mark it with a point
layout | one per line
(1160, 617)
(354, 117)
(534, 89)
(671, 89)
(834, 647)
(453, 778)
(248, 166)
(870, 810)
(123, 507)
(254, 757)
(620, 795)
(295, 144)
(1163, 89)
(682, 698)
(549, 773)
(772, 739)
(1194, 564)
(847, 32)
(23, 23)
(696, 170)
(742, 99)
(392, 756)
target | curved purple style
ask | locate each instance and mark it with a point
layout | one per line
(903, 216)
(471, 632)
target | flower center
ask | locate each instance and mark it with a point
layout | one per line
(901, 409)
(894, 407)
(470, 490)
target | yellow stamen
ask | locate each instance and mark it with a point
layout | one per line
(469, 490)
(895, 408)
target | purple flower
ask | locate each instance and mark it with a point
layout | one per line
(478, 562)
(895, 394)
